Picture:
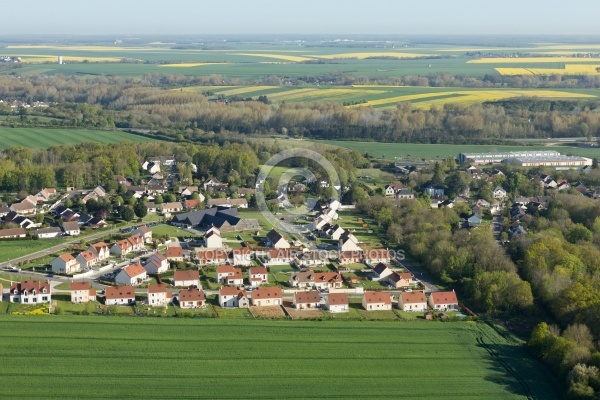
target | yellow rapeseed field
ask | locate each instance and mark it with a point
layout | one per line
(524, 60)
(242, 90)
(570, 69)
(37, 59)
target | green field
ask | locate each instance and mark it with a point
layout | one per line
(10, 249)
(418, 151)
(44, 137)
(253, 60)
(157, 358)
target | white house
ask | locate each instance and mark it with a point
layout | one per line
(212, 239)
(48, 233)
(348, 242)
(191, 297)
(233, 297)
(101, 250)
(374, 256)
(443, 301)
(499, 193)
(144, 232)
(242, 256)
(307, 300)
(174, 253)
(258, 276)
(267, 296)
(131, 244)
(310, 258)
(65, 264)
(30, 292)
(317, 280)
(119, 295)
(158, 295)
(186, 278)
(156, 264)
(229, 275)
(412, 301)
(87, 259)
(133, 274)
(275, 240)
(337, 302)
(71, 228)
(81, 292)
(376, 301)
(380, 272)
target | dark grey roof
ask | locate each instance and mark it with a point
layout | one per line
(379, 268)
(217, 216)
(273, 236)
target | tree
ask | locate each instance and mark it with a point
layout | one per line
(158, 199)
(438, 174)
(140, 209)
(577, 233)
(127, 213)
(169, 198)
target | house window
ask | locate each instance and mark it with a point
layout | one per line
(44, 298)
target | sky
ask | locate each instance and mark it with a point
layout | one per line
(107, 17)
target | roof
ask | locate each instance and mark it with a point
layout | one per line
(80, 285)
(188, 275)
(413, 297)
(12, 232)
(258, 271)
(378, 297)
(134, 270)
(267, 293)
(232, 291)
(273, 236)
(158, 256)
(242, 250)
(444, 297)
(25, 205)
(191, 294)
(310, 276)
(30, 286)
(280, 253)
(66, 257)
(376, 253)
(307, 297)
(54, 229)
(157, 288)
(174, 251)
(175, 205)
(336, 299)
(99, 246)
(213, 255)
(88, 255)
(379, 268)
(70, 226)
(216, 216)
(143, 229)
(120, 292)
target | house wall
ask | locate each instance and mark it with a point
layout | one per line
(31, 299)
(412, 307)
(157, 299)
(337, 308)
(121, 301)
(187, 283)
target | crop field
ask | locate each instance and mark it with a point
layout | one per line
(43, 137)
(247, 60)
(11, 249)
(568, 69)
(388, 96)
(71, 357)
(419, 151)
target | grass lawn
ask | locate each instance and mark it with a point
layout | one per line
(171, 231)
(11, 249)
(348, 359)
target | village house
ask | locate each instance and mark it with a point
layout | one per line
(443, 301)
(144, 232)
(4, 210)
(191, 297)
(158, 295)
(280, 256)
(317, 280)
(374, 256)
(267, 296)
(233, 297)
(376, 301)
(156, 264)
(211, 257)
(241, 256)
(213, 239)
(412, 301)
(307, 300)
(499, 193)
(48, 233)
(211, 182)
(276, 241)
(228, 203)
(174, 253)
(186, 278)
(380, 272)
(12, 233)
(101, 250)
(393, 188)
(71, 228)
(334, 232)
(310, 259)
(337, 302)
(151, 207)
(82, 292)
(45, 195)
(30, 292)
(435, 191)
(24, 208)
(133, 274)
(400, 280)
(188, 190)
(229, 275)
(131, 244)
(119, 295)
(350, 257)
(65, 264)
(191, 204)
(405, 194)
(87, 259)
(320, 221)
(258, 276)
(348, 242)
(168, 208)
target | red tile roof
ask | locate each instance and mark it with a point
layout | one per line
(267, 293)
(191, 294)
(444, 297)
(413, 297)
(120, 292)
(134, 270)
(337, 299)
(190, 275)
(378, 297)
(307, 297)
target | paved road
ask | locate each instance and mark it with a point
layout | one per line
(422, 275)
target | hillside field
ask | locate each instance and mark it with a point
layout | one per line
(72, 357)
(46, 137)
(434, 151)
